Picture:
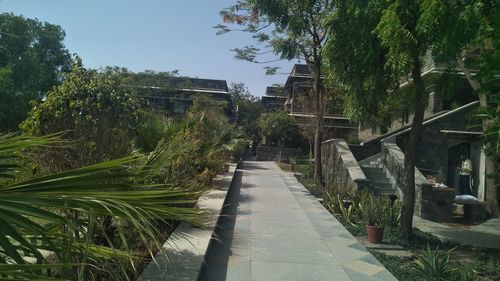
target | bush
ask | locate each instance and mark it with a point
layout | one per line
(98, 113)
(281, 129)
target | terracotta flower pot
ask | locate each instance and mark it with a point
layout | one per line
(375, 233)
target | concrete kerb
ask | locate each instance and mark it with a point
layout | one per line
(184, 251)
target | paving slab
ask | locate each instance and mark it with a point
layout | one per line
(278, 231)
(488, 233)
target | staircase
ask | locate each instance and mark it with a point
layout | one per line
(380, 181)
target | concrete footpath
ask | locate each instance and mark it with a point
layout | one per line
(274, 229)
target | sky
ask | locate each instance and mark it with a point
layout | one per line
(161, 35)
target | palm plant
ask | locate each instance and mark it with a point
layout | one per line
(49, 224)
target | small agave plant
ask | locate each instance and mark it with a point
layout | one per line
(433, 262)
(468, 276)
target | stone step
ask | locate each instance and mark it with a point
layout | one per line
(384, 192)
(376, 175)
(377, 180)
(381, 185)
(371, 166)
(373, 169)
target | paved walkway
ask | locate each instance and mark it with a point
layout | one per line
(274, 229)
(485, 235)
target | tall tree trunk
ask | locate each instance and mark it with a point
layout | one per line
(410, 151)
(489, 168)
(318, 136)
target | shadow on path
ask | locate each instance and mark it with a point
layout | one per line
(219, 251)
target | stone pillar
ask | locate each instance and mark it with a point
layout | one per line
(434, 203)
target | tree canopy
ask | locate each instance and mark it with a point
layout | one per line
(280, 129)
(249, 108)
(377, 44)
(32, 58)
(290, 30)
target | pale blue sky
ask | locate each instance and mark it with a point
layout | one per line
(162, 35)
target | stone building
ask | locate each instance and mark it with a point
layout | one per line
(448, 131)
(274, 98)
(176, 94)
(301, 105)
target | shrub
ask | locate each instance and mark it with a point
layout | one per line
(98, 113)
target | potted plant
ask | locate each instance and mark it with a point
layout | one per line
(374, 211)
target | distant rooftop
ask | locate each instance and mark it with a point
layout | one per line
(300, 70)
(274, 91)
(167, 82)
(200, 84)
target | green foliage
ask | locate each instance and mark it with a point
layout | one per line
(280, 129)
(402, 268)
(491, 137)
(203, 140)
(468, 276)
(375, 210)
(357, 54)
(32, 58)
(249, 109)
(97, 112)
(377, 44)
(57, 221)
(290, 30)
(433, 262)
(155, 126)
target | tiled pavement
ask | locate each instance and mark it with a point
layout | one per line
(489, 232)
(274, 229)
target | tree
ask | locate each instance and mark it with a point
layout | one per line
(292, 30)
(249, 109)
(32, 58)
(375, 43)
(97, 111)
(280, 129)
(475, 29)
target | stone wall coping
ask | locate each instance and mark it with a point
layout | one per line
(350, 163)
(434, 118)
(399, 156)
(278, 148)
(184, 252)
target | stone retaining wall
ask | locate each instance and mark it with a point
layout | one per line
(184, 252)
(434, 203)
(340, 166)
